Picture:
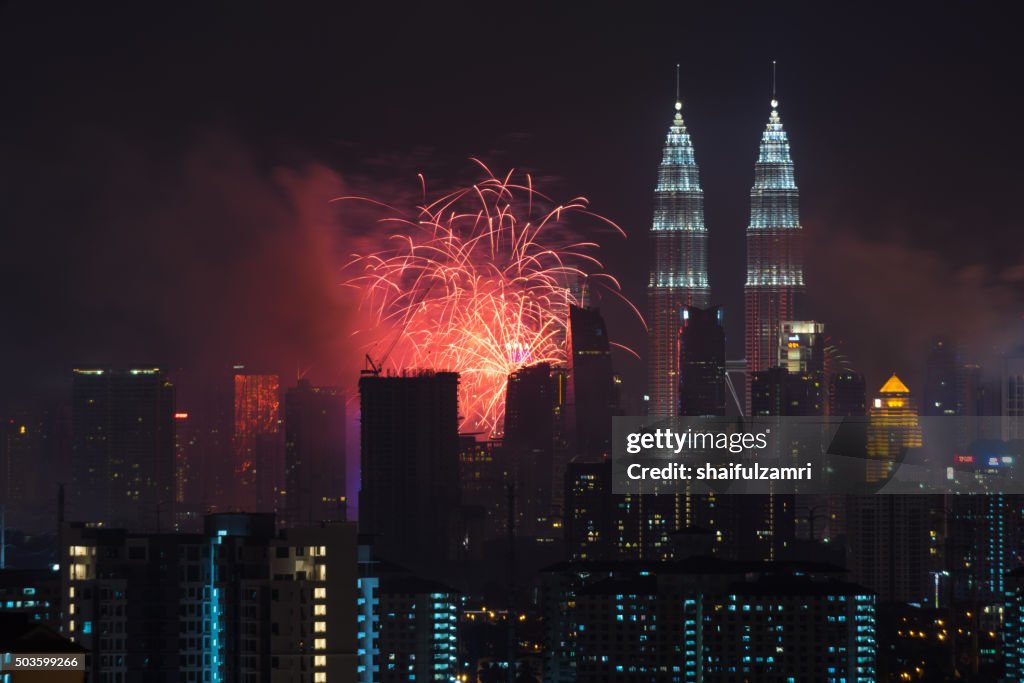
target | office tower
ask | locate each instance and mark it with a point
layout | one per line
(588, 501)
(793, 387)
(679, 272)
(1011, 389)
(204, 433)
(409, 442)
(893, 539)
(593, 394)
(188, 472)
(256, 441)
(941, 379)
(235, 602)
(535, 442)
(769, 395)
(847, 395)
(702, 392)
(775, 277)
(953, 388)
(34, 454)
(889, 545)
(702, 362)
(484, 478)
(314, 455)
(123, 446)
(802, 352)
(893, 427)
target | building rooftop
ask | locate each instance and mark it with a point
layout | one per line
(894, 386)
(18, 634)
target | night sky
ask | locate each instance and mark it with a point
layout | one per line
(165, 172)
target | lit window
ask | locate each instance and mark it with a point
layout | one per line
(320, 660)
(320, 644)
(319, 593)
(319, 627)
(320, 677)
(320, 610)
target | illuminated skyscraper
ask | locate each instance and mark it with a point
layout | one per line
(775, 276)
(679, 273)
(893, 426)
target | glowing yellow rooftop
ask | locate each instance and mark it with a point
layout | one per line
(894, 386)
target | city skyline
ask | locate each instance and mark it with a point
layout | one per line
(557, 347)
(868, 233)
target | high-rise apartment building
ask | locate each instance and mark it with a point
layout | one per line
(237, 602)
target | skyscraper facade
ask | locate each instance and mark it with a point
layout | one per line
(679, 273)
(847, 395)
(775, 277)
(1011, 390)
(256, 441)
(409, 497)
(702, 362)
(593, 394)
(534, 440)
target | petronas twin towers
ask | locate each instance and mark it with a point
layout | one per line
(679, 271)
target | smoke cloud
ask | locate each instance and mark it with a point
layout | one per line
(195, 258)
(884, 300)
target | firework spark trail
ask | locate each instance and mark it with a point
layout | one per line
(471, 286)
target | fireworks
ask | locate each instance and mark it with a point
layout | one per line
(478, 282)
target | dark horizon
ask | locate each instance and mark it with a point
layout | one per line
(165, 183)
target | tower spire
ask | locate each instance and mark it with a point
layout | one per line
(679, 102)
(775, 100)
